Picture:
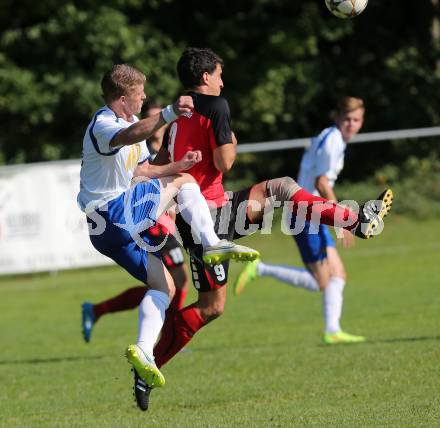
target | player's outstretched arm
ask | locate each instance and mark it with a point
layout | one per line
(162, 157)
(144, 128)
(149, 170)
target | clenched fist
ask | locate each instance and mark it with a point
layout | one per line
(189, 159)
(183, 104)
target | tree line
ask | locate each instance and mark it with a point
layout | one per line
(286, 64)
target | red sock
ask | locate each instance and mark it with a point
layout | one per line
(178, 299)
(167, 333)
(177, 331)
(332, 214)
(129, 299)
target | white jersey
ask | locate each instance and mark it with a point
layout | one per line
(106, 171)
(325, 156)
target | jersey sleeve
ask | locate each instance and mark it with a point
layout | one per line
(323, 160)
(102, 133)
(327, 157)
(221, 122)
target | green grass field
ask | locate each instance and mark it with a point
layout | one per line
(261, 364)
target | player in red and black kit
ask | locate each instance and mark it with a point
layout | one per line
(208, 129)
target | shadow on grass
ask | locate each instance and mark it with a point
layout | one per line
(407, 339)
(376, 342)
(50, 360)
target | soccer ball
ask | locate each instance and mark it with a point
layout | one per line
(346, 8)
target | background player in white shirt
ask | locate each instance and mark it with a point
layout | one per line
(320, 166)
(120, 210)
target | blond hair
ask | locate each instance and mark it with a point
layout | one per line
(347, 104)
(119, 81)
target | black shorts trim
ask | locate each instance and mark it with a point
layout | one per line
(230, 223)
(171, 253)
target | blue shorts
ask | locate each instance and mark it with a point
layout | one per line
(313, 242)
(135, 210)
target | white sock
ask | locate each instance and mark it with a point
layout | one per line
(291, 275)
(151, 318)
(194, 210)
(332, 304)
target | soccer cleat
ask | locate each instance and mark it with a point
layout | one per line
(88, 320)
(226, 250)
(371, 215)
(144, 366)
(141, 392)
(247, 275)
(342, 337)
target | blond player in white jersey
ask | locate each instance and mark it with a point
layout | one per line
(123, 195)
(320, 166)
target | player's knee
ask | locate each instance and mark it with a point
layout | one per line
(342, 274)
(212, 312)
(187, 178)
(216, 312)
(339, 272)
(282, 188)
(322, 279)
(322, 284)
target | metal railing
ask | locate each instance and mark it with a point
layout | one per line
(267, 146)
(360, 138)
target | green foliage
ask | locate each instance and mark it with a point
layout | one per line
(416, 187)
(286, 64)
(50, 72)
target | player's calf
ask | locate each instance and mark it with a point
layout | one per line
(368, 223)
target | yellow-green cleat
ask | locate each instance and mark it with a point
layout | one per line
(145, 366)
(226, 250)
(246, 276)
(342, 337)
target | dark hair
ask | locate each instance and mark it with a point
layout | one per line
(148, 105)
(120, 80)
(193, 63)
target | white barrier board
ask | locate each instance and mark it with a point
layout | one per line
(41, 226)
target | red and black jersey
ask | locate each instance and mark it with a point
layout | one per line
(207, 127)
